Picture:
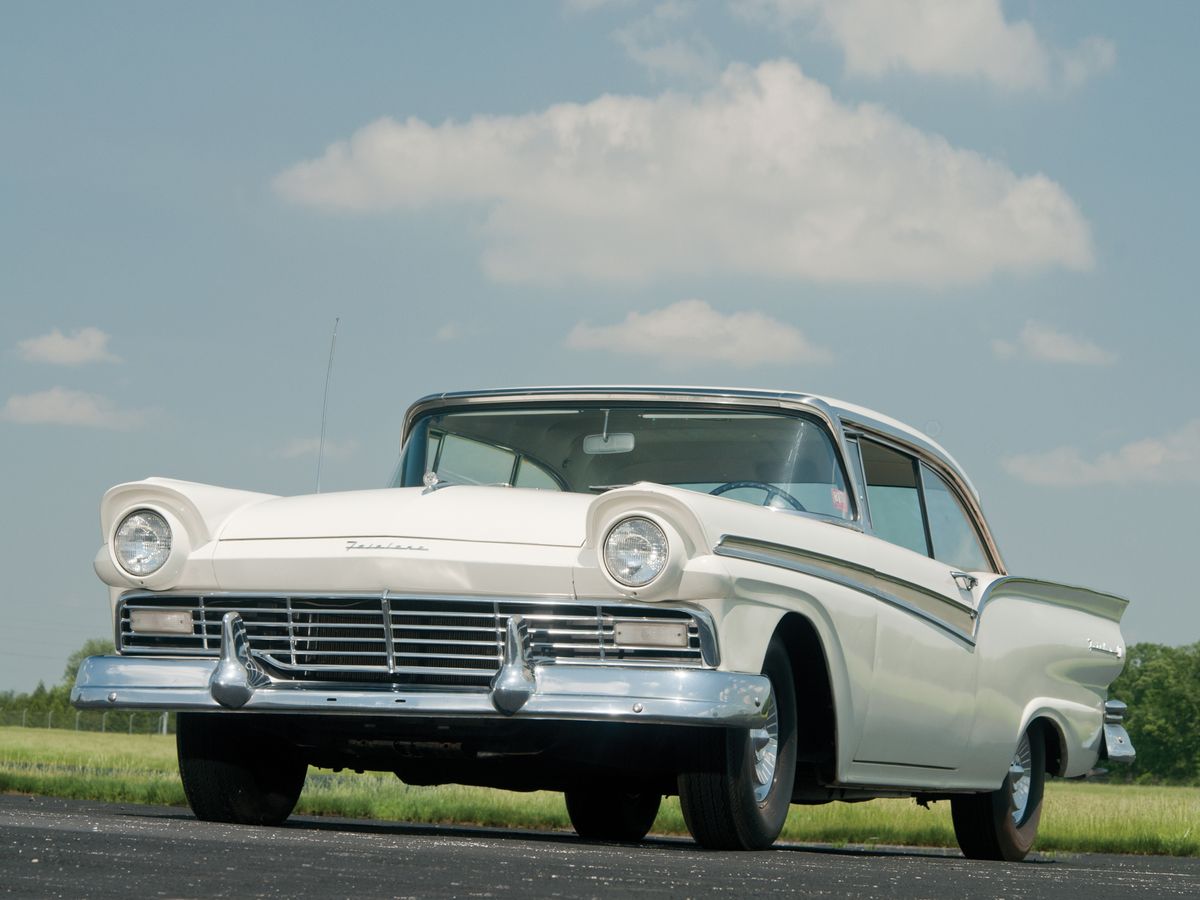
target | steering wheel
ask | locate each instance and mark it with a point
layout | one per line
(770, 489)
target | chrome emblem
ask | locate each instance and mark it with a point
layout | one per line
(1101, 647)
(367, 545)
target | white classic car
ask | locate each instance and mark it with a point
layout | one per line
(745, 598)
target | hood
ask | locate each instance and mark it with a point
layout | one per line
(456, 512)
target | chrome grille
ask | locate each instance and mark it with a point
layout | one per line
(447, 641)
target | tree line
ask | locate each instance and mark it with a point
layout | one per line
(1162, 687)
(1161, 684)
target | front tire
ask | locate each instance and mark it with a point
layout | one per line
(612, 815)
(739, 798)
(235, 771)
(1003, 824)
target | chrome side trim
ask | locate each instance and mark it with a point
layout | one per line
(578, 693)
(950, 615)
(953, 616)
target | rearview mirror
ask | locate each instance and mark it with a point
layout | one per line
(617, 442)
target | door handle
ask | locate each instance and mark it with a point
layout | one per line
(964, 581)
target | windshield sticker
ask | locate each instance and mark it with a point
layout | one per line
(841, 500)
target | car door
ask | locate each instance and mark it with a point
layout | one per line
(922, 702)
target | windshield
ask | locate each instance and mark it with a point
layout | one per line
(786, 461)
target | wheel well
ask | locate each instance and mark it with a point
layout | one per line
(1053, 741)
(816, 732)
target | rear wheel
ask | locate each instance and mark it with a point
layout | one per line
(1003, 824)
(235, 771)
(740, 798)
(612, 815)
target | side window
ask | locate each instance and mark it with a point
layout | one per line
(894, 496)
(531, 475)
(955, 541)
(465, 461)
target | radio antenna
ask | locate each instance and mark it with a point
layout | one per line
(325, 402)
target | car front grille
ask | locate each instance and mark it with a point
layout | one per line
(437, 641)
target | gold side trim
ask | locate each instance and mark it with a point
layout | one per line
(947, 613)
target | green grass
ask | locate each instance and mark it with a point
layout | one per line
(141, 769)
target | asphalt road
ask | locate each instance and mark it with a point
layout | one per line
(63, 848)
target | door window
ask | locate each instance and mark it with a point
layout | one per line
(894, 496)
(955, 541)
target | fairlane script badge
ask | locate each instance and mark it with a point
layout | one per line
(1104, 648)
(364, 545)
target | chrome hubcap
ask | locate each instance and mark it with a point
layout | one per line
(1020, 777)
(765, 743)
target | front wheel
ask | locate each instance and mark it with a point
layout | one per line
(740, 798)
(614, 815)
(1002, 824)
(234, 771)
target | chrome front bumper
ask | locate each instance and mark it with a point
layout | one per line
(600, 693)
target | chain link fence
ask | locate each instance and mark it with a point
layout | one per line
(102, 720)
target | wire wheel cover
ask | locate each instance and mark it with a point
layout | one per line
(765, 742)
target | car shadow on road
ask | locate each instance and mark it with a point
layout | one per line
(659, 842)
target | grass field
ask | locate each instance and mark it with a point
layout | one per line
(141, 769)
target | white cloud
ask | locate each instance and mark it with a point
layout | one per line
(1044, 344)
(763, 175)
(451, 331)
(61, 406)
(652, 41)
(298, 447)
(947, 38)
(691, 331)
(1174, 457)
(1093, 56)
(85, 345)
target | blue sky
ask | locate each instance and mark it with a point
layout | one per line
(975, 216)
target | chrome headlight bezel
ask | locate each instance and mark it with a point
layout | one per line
(145, 553)
(655, 549)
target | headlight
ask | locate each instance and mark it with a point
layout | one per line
(635, 552)
(142, 542)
